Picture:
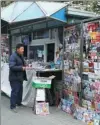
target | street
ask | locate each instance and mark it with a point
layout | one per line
(25, 116)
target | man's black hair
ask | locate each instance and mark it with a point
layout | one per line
(18, 46)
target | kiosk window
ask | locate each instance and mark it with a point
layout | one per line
(36, 53)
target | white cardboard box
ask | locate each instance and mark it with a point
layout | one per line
(40, 95)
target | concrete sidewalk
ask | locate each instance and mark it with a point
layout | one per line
(25, 116)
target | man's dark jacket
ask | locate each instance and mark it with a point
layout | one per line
(16, 64)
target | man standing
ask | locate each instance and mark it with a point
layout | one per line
(17, 75)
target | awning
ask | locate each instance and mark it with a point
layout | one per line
(23, 11)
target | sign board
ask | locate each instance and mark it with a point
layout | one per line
(40, 82)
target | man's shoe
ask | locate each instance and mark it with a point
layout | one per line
(14, 110)
(19, 105)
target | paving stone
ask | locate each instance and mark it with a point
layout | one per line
(25, 116)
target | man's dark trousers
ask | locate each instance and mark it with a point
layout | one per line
(16, 93)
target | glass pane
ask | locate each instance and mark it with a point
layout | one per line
(7, 12)
(33, 12)
(41, 34)
(19, 8)
(10, 13)
(52, 35)
(46, 6)
(36, 53)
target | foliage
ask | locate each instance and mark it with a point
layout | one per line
(5, 3)
(93, 6)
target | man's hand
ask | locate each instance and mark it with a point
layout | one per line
(24, 68)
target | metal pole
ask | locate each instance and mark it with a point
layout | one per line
(0, 70)
(28, 51)
(81, 62)
(63, 58)
(10, 43)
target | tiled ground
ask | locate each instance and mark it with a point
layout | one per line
(25, 116)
